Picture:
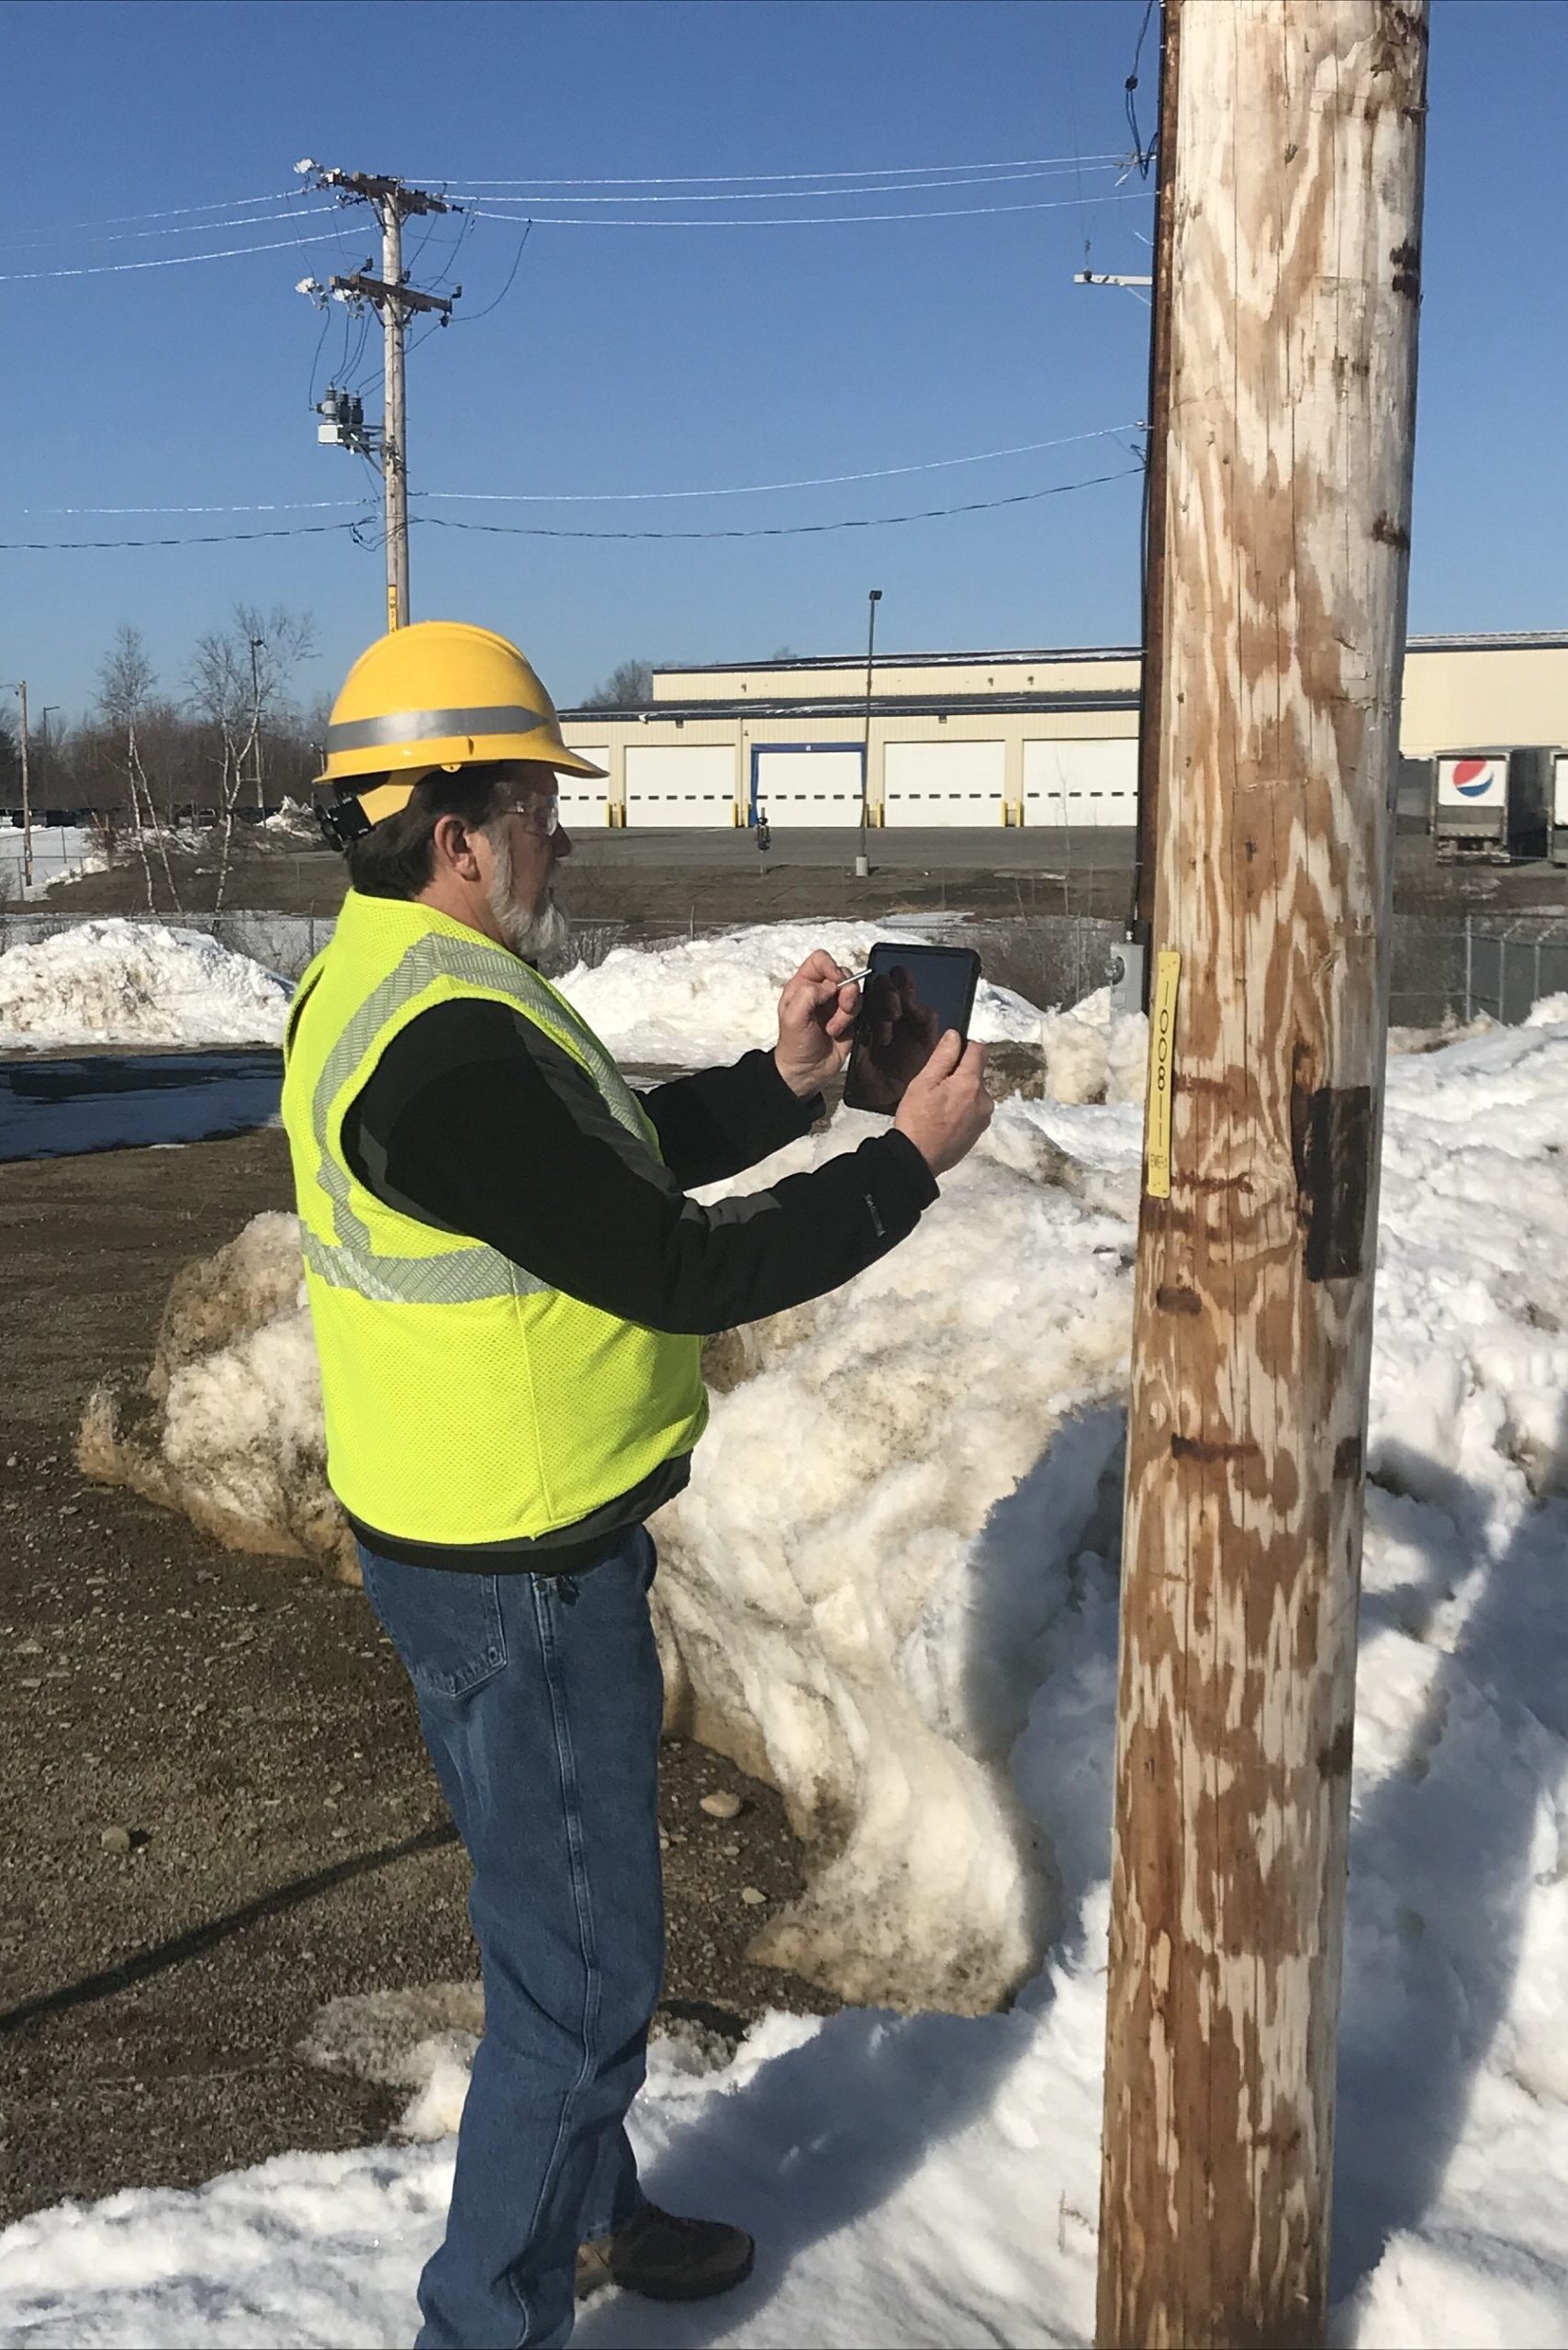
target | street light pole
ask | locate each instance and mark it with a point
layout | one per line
(27, 794)
(863, 862)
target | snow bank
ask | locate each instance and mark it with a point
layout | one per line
(1093, 1054)
(934, 2177)
(289, 824)
(706, 1000)
(136, 983)
(226, 1425)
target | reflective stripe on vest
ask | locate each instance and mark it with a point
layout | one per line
(472, 1271)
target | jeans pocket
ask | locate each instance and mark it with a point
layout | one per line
(448, 1629)
(651, 1566)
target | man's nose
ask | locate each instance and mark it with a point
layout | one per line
(561, 842)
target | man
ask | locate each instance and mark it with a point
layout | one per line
(510, 1290)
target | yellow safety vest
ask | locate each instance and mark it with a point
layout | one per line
(466, 1402)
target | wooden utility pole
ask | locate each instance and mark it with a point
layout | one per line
(1295, 171)
(397, 302)
(394, 436)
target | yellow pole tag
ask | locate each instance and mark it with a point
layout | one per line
(1161, 1071)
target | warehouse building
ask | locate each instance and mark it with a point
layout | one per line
(971, 739)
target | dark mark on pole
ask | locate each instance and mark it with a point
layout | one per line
(1331, 1131)
(1198, 1448)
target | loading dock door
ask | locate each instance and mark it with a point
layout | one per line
(669, 787)
(1082, 783)
(585, 803)
(944, 783)
(806, 783)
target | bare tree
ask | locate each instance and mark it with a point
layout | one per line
(239, 680)
(627, 688)
(125, 689)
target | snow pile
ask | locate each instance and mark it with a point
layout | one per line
(705, 1000)
(934, 2177)
(227, 1426)
(871, 1648)
(136, 983)
(291, 823)
(1093, 1054)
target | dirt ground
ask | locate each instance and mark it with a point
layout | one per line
(245, 1725)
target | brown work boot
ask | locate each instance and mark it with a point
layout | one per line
(665, 2259)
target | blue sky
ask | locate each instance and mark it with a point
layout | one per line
(653, 359)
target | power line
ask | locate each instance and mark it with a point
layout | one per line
(364, 521)
(168, 260)
(760, 488)
(803, 196)
(115, 220)
(472, 317)
(1142, 156)
(621, 497)
(808, 220)
(849, 171)
(783, 530)
(271, 506)
(202, 539)
(195, 228)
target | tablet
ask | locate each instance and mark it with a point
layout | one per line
(911, 996)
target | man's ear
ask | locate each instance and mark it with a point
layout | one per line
(452, 845)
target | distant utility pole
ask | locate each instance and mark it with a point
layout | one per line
(1272, 657)
(863, 861)
(26, 792)
(397, 302)
(256, 643)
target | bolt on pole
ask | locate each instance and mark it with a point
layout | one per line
(1292, 294)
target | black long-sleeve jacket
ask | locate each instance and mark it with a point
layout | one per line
(476, 1122)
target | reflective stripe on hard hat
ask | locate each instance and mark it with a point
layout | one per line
(424, 726)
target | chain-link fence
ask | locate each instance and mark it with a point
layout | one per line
(1443, 968)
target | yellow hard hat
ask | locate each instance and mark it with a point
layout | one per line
(437, 694)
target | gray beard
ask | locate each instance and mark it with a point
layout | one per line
(533, 937)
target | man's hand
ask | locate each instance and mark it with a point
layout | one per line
(945, 1109)
(816, 1018)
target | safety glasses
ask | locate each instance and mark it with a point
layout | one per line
(542, 816)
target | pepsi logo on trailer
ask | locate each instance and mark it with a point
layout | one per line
(1474, 780)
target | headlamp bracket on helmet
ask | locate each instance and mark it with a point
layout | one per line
(342, 821)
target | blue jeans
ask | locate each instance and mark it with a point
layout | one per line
(541, 1703)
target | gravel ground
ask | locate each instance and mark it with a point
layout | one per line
(217, 1811)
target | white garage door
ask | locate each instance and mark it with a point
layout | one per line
(808, 783)
(669, 786)
(1080, 783)
(944, 783)
(584, 802)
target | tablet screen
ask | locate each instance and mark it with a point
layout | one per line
(911, 996)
